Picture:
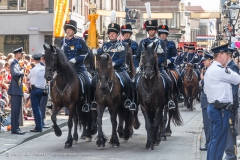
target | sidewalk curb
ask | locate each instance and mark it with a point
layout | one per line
(37, 135)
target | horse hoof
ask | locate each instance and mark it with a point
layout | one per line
(149, 148)
(67, 145)
(115, 145)
(88, 139)
(83, 137)
(164, 138)
(74, 142)
(100, 147)
(168, 134)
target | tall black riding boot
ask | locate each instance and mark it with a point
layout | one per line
(94, 103)
(128, 102)
(180, 91)
(133, 106)
(171, 104)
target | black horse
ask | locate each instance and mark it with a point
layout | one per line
(151, 96)
(109, 94)
(66, 90)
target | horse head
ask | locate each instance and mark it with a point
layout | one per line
(189, 71)
(105, 70)
(149, 61)
(50, 61)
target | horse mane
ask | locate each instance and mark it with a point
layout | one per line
(64, 64)
(129, 57)
(106, 61)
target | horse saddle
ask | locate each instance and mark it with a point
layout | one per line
(122, 78)
(164, 81)
(136, 79)
(83, 80)
(175, 76)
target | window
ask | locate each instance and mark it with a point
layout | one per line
(13, 5)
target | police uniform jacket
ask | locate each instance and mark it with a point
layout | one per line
(17, 73)
(117, 50)
(192, 58)
(170, 50)
(134, 45)
(217, 83)
(141, 48)
(75, 48)
(179, 59)
(233, 66)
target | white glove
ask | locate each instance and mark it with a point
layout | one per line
(73, 60)
(168, 61)
(113, 64)
(137, 69)
(94, 51)
(181, 65)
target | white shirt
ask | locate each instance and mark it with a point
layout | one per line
(36, 76)
(217, 83)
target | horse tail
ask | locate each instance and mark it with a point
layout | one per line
(176, 117)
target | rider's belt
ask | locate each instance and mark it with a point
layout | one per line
(220, 106)
(33, 87)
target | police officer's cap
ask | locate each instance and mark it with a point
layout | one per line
(231, 50)
(191, 46)
(37, 56)
(113, 27)
(206, 56)
(163, 29)
(222, 48)
(186, 45)
(126, 29)
(70, 24)
(200, 49)
(151, 24)
(179, 49)
(18, 50)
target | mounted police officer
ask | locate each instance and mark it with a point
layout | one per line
(37, 86)
(185, 52)
(200, 53)
(126, 31)
(15, 91)
(151, 28)
(117, 50)
(193, 58)
(169, 56)
(179, 60)
(206, 60)
(76, 51)
(217, 86)
(231, 146)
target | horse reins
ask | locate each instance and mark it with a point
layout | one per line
(153, 73)
(149, 94)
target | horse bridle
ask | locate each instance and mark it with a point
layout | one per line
(189, 78)
(152, 71)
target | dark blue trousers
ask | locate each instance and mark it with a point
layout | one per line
(206, 121)
(16, 103)
(219, 130)
(43, 104)
(231, 146)
(36, 96)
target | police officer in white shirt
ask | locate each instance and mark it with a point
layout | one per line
(37, 85)
(218, 80)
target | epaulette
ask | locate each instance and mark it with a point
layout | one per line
(220, 66)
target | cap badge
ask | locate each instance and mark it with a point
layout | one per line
(150, 22)
(112, 25)
(124, 27)
(163, 27)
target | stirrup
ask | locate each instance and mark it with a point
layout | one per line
(127, 103)
(94, 105)
(133, 107)
(180, 97)
(171, 105)
(85, 107)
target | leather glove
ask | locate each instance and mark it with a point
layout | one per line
(73, 60)
(168, 61)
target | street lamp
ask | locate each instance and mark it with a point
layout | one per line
(233, 15)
